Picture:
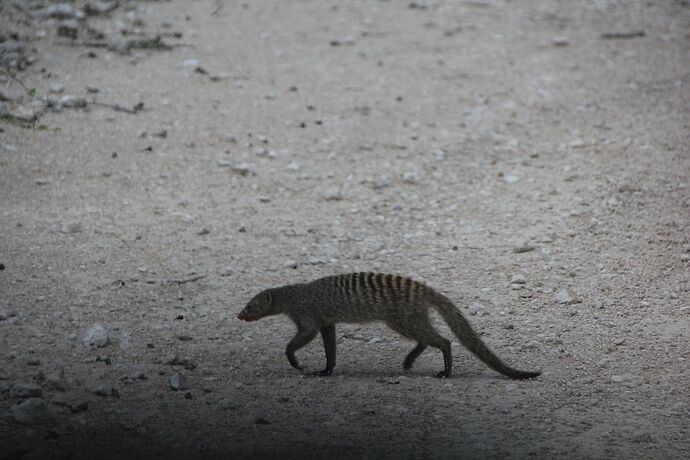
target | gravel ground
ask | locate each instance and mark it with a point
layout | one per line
(530, 160)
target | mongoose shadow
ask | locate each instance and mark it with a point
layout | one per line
(401, 303)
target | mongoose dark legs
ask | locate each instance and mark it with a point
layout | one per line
(400, 302)
(328, 336)
(303, 337)
(414, 354)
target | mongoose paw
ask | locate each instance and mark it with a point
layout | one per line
(323, 373)
(443, 375)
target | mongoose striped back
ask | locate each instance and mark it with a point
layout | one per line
(363, 297)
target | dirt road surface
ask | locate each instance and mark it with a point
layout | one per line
(530, 160)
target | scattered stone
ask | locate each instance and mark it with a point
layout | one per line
(532, 345)
(410, 177)
(227, 271)
(95, 8)
(290, 264)
(96, 336)
(189, 64)
(475, 307)
(177, 382)
(73, 227)
(218, 76)
(510, 178)
(243, 169)
(560, 41)
(332, 194)
(224, 163)
(231, 137)
(621, 378)
(56, 88)
(566, 296)
(32, 411)
(619, 341)
(518, 278)
(25, 390)
(61, 11)
(69, 101)
(523, 248)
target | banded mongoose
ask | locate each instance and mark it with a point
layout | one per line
(402, 303)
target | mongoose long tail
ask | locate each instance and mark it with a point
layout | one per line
(469, 338)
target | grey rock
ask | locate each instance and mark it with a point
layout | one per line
(621, 378)
(96, 336)
(523, 248)
(510, 178)
(177, 382)
(566, 296)
(475, 307)
(56, 88)
(410, 177)
(332, 194)
(290, 264)
(73, 227)
(226, 271)
(243, 169)
(518, 278)
(32, 411)
(69, 101)
(533, 345)
(25, 390)
(560, 41)
(6, 96)
(95, 8)
(61, 11)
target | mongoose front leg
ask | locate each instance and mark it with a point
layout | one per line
(303, 337)
(328, 336)
(414, 354)
(444, 345)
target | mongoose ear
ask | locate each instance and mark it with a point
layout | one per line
(269, 298)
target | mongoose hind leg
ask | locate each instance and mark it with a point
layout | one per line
(412, 356)
(328, 336)
(303, 337)
(419, 329)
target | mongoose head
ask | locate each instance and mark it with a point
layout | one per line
(261, 305)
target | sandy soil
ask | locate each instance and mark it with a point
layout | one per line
(307, 138)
